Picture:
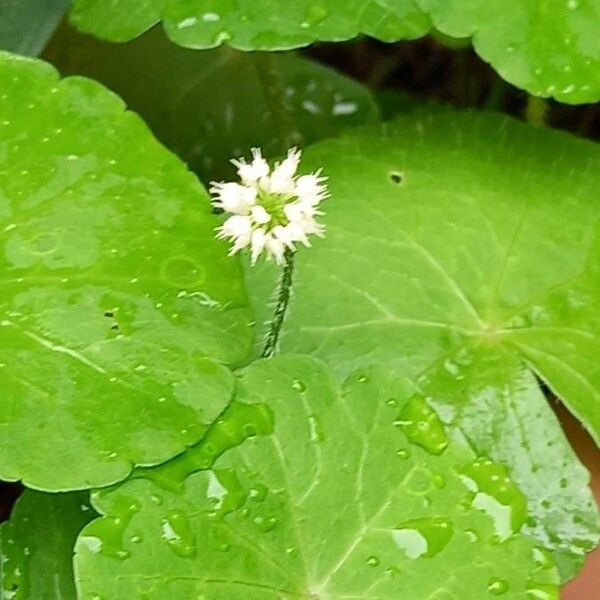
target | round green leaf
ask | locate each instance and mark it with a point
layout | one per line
(549, 48)
(251, 24)
(455, 234)
(36, 546)
(118, 308)
(349, 496)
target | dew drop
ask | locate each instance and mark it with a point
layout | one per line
(188, 22)
(421, 425)
(315, 14)
(250, 430)
(439, 481)
(106, 534)
(265, 524)
(373, 561)
(209, 449)
(177, 533)
(402, 453)
(299, 386)
(418, 482)
(497, 586)
(224, 492)
(540, 591)
(425, 536)
(259, 492)
(543, 558)
(496, 495)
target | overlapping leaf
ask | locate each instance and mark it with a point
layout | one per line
(251, 24)
(465, 234)
(499, 406)
(550, 49)
(26, 25)
(211, 106)
(36, 546)
(347, 493)
(118, 308)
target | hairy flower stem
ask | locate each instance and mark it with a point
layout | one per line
(284, 292)
(280, 112)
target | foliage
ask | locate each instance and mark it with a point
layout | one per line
(265, 520)
(37, 545)
(464, 286)
(400, 443)
(26, 25)
(550, 49)
(128, 325)
(194, 104)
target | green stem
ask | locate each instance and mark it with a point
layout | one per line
(496, 95)
(284, 292)
(274, 92)
(536, 111)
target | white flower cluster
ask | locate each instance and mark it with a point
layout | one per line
(271, 210)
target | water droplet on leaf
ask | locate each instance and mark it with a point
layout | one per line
(177, 533)
(426, 536)
(372, 561)
(421, 425)
(497, 586)
(315, 14)
(496, 495)
(540, 591)
(299, 386)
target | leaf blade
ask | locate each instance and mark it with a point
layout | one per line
(110, 314)
(284, 531)
(37, 545)
(483, 232)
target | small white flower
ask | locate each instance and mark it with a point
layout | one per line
(257, 243)
(272, 209)
(252, 172)
(237, 228)
(260, 215)
(311, 189)
(282, 179)
(233, 197)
